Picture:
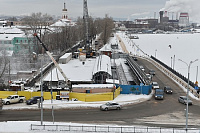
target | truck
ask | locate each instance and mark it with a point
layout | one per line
(14, 99)
(1, 104)
(159, 94)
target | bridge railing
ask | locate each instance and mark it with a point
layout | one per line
(137, 70)
(176, 76)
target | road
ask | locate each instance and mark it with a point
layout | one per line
(161, 113)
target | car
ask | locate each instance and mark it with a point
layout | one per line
(110, 106)
(159, 94)
(142, 68)
(152, 72)
(135, 58)
(168, 90)
(148, 76)
(33, 100)
(183, 100)
(155, 85)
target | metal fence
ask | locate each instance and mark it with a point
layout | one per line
(110, 129)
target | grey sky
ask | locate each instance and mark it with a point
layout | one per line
(97, 8)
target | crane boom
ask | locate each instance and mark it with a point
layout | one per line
(54, 61)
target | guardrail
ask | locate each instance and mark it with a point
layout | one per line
(180, 79)
(138, 72)
(111, 129)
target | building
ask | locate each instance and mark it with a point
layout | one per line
(184, 19)
(64, 21)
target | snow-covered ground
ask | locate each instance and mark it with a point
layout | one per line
(163, 46)
(168, 48)
(122, 99)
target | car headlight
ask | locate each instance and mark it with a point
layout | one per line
(156, 96)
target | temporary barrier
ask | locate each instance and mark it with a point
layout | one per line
(5, 94)
(91, 97)
(136, 89)
(87, 97)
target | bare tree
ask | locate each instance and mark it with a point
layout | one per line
(4, 61)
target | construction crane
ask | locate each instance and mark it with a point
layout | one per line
(85, 19)
(68, 83)
(87, 41)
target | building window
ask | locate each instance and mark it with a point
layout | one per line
(21, 41)
(25, 41)
(17, 41)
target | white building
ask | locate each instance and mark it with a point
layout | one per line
(64, 21)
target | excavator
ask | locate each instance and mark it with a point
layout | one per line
(68, 83)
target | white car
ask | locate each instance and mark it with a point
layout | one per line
(110, 106)
(183, 100)
(155, 85)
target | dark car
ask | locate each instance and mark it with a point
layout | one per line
(152, 72)
(168, 90)
(135, 58)
(34, 100)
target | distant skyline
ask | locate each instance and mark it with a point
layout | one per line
(127, 9)
(97, 8)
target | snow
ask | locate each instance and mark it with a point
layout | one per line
(183, 46)
(24, 126)
(74, 70)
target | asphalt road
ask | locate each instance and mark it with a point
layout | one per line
(163, 113)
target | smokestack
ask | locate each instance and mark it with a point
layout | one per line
(161, 17)
(165, 14)
(154, 15)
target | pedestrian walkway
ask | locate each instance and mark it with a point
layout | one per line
(122, 45)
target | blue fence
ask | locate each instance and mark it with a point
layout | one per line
(136, 89)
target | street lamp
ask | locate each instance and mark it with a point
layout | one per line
(188, 65)
(155, 53)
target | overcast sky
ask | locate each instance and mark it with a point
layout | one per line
(127, 9)
(97, 8)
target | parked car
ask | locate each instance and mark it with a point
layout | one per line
(155, 85)
(152, 72)
(183, 100)
(110, 106)
(33, 100)
(14, 99)
(168, 90)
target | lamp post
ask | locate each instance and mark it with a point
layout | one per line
(155, 53)
(188, 65)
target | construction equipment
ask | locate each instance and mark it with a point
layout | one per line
(88, 50)
(68, 83)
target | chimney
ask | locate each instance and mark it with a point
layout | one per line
(161, 17)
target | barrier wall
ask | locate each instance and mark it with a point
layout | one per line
(5, 94)
(87, 97)
(91, 97)
(136, 89)
(28, 95)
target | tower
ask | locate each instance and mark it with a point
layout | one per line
(85, 19)
(184, 19)
(64, 13)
